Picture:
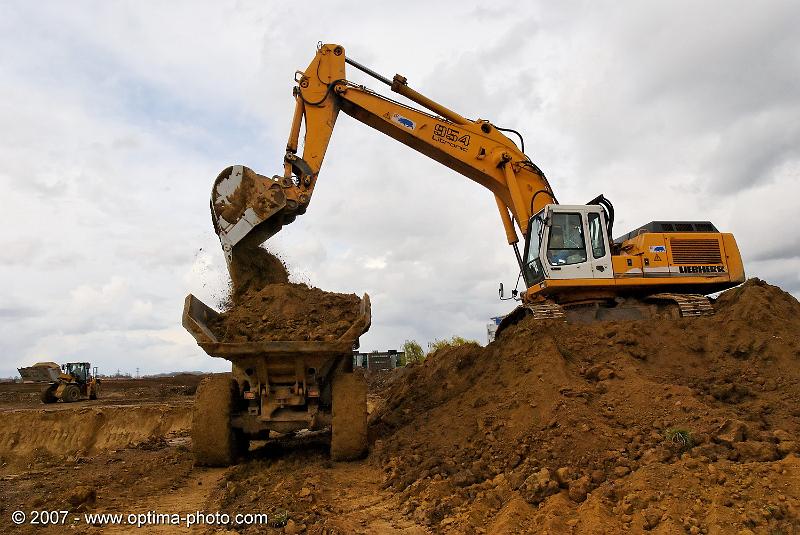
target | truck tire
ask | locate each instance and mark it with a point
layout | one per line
(49, 394)
(349, 419)
(71, 393)
(213, 439)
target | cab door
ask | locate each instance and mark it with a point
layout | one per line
(599, 248)
(566, 254)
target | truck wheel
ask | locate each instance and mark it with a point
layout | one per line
(213, 440)
(349, 421)
(49, 394)
(71, 393)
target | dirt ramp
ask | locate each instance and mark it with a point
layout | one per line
(678, 426)
(64, 432)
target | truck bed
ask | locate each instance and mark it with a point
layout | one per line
(197, 314)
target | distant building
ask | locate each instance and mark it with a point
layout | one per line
(491, 328)
(378, 360)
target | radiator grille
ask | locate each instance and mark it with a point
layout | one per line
(695, 251)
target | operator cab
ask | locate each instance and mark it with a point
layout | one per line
(78, 370)
(569, 242)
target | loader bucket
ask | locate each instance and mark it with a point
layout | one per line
(245, 204)
(41, 372)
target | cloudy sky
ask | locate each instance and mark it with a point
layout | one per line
(115, 117)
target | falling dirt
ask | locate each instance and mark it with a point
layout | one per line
(679, 426)
(253, 268)
(265, 306)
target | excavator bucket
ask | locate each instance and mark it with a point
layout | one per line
(245, 204)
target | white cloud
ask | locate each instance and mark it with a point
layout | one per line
(378, 262)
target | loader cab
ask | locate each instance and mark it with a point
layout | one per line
(568, 242)
(78, 370)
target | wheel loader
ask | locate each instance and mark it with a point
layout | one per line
(572, 265)
(69, 382)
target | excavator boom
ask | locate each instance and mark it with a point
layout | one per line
(570, 257)
(245, 204)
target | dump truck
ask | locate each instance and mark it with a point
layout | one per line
(69, 382)
(281, 386)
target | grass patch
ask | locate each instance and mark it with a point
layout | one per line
(279, 518)
(682, 438)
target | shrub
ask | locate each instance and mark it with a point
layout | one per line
(412, 353)
(455, 341)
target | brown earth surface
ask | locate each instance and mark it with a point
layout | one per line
(180, 387)
(676, 426)
(108, 457)
(264, 306)
(671, 426)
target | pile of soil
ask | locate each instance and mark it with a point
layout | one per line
(675, 426)
(287, 312)
(265, 306)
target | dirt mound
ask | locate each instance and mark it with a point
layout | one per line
(687, 425)
(287, 312)
(264, 306)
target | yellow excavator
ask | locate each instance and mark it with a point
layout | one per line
(570, 262)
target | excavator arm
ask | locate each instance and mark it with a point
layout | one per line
(572, 258)
(251, 206)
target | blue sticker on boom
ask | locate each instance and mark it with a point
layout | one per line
(404, 121)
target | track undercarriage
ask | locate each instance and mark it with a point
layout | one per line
(655, 306)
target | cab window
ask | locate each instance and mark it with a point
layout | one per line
(596, 236)
(565, 244)
(533, 267)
